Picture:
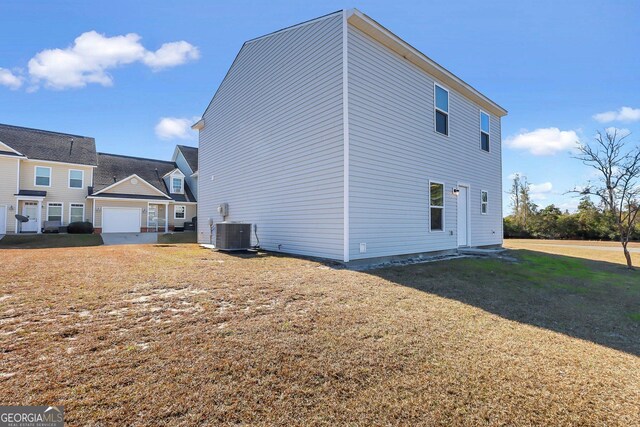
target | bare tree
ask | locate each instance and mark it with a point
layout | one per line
(515, 195)
(618, 186)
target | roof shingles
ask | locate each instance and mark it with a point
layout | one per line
(190, 155)
(52, 146)
(113, 168)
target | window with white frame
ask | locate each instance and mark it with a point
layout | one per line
(76, 212)
(436, 205)
(43, 176)
(179, 212)
(484, 202)
(76, 178)
(441, 104)
(176, 185)
(484, 130)
(54, 212)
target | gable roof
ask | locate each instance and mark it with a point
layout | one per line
(382, 35)
(52, 146)
(373, 29)
(113, 168)
(190, 155)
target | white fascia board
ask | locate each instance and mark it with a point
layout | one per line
(385, 37)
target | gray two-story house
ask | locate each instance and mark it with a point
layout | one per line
(338, 139)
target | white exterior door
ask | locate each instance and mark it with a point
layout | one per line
(121, 220)
(30, 210)
(463, 216)
(3, 220)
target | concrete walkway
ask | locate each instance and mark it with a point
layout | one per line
(129, 238)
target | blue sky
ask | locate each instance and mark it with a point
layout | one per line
(553, 64)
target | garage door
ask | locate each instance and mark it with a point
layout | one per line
(3, 219)
(120, 220)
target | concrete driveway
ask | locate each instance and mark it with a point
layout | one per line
(129, 238)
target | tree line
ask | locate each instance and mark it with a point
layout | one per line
(614, 216)
(589, 222)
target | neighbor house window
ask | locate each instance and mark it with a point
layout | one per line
(484, 131)
(442, 110)
(179, 212)
(76, 212)
(484, 202)
(176, 185)
(436, 204)
(54, 212)
(43, 176)
(76, 178)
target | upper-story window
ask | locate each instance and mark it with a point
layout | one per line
(484, 130)
(76, 178)
(441, 110)
(176, 185)
(43, 176)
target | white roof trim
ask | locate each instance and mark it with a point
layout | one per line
(130, 177)
(173, 172)
(199, 125)
(379, 33)
(195, 174)
(2, 144)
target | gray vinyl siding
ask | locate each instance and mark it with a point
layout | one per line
(394, 151)
(272, 143)
(182, 164)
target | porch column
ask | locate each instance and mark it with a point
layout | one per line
(166, 218)
(39, 216)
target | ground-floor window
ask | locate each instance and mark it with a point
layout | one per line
(436, 205)
(179, 212)
(54, 212)
(76, 212)
(484, 202)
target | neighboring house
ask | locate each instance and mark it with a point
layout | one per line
(132, 194)
(45, 176)
(338, 139)
(187, 160)
(59, 177)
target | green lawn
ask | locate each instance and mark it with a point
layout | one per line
(175, 238)
(45, 241)
(593, 300)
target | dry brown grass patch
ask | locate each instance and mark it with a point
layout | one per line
(143, 335)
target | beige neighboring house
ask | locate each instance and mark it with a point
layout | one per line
(59, 177)
(132, 194)
(45, 177)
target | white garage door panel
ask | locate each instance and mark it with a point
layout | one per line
(3, 219)
(120, 220)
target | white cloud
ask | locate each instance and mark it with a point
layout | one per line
(570, 205)
(92, 55)
(9, 79)
(171, 54)
(544, 142)
(512, 176)
(624, 114)
(175, 128)
(540, 191)
(620, 132)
